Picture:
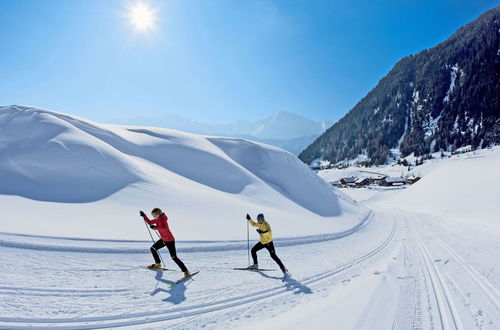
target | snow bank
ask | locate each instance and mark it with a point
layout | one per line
(44, 157)
(464, 186)
(68, 177)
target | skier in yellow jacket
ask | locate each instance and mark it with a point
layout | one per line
(265, 241)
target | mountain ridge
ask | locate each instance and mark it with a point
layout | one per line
(283, 129)
(443, 98)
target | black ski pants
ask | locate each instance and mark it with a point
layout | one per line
(171, 248)
(270, 247)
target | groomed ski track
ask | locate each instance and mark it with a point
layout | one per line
(435, 286)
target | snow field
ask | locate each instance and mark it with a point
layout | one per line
(89, 180)
(150, 289)
(74, 255)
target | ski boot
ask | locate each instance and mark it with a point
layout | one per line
(155, 266)
(254, 266)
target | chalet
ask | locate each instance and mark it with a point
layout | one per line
(378, 180)
(393, 181)
(336, 183)
(349, 181)
(412, 180)
(361, 182)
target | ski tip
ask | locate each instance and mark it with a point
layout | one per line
(186, 278)
(255, 269)
(160, 269)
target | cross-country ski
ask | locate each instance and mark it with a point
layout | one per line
(185, 278)
(255, 269)
(160, 268)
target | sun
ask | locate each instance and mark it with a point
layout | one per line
(142, 16)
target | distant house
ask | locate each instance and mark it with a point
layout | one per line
(361, 182)
(393, 181)
(412, 180)
(336, 183)
(349, 181)
(378, 180)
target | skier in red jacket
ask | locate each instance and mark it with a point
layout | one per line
(167, 239)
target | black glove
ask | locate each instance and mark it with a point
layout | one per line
(152, 226)
(142, 214)
(248, 217)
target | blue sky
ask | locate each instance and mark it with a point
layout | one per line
(213, 60)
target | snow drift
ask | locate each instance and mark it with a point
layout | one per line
(463, 187)
(66, 176)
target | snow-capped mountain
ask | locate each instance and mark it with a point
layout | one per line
(88, 177)
(285, 130)
(443, 98)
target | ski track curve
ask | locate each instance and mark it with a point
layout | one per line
(20, 241)
(446, 309)
(409, 312)
(130, 319)
(487, 288)
(465, 299)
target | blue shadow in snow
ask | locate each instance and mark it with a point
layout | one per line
(291, 284)
(177, 291)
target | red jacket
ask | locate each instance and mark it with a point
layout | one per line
(162, 226)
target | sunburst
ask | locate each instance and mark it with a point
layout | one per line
(142, 16)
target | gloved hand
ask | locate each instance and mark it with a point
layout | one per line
(260, 231)
(142, 214)
(248, 217)
(152, 226)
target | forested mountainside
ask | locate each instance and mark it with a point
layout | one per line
(441, 98)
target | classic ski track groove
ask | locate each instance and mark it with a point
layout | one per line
(61, 290)
(463, 282)
(182, 312)
(447, 312)
(409, 310)
(303, 240)
(487, 288)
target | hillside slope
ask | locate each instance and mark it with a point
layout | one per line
(66, 176)
(441, 98)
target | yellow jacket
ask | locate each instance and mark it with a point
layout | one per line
(267, 235)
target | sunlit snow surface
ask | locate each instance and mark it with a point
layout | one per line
(70, 177)
(425, 257)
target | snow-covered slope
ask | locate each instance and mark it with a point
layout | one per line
(402, 269)
(464, 186)
(66, 176)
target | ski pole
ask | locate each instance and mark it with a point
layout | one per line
(152, 239)
(248, 243)
(147, 227)
(159, 252)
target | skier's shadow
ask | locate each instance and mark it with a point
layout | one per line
(290, 284)
(177, 290)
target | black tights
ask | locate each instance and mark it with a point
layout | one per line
(270, 247)
(171, 248)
